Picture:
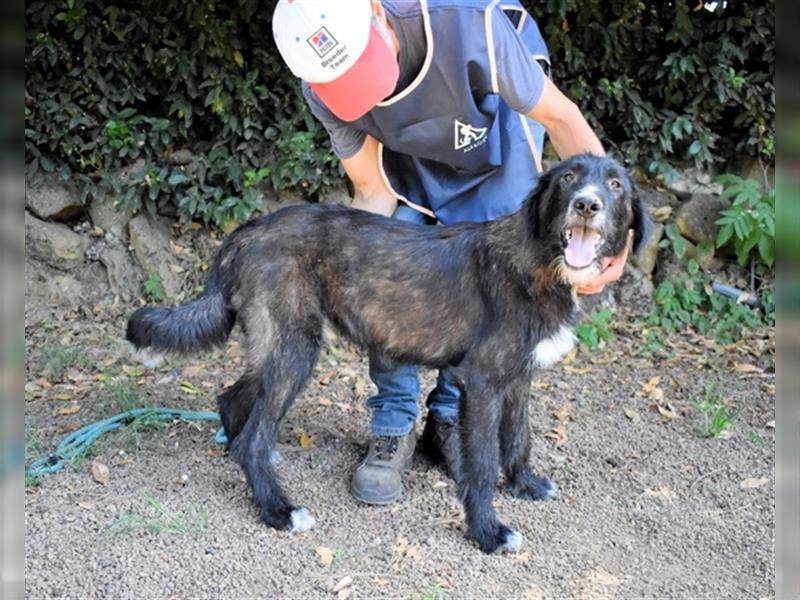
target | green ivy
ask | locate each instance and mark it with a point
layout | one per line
(188, 103)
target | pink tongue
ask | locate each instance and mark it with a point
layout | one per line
(580, 250)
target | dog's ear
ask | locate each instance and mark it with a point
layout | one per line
(540, 204)
(642, 221)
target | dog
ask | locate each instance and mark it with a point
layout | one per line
(492, 300)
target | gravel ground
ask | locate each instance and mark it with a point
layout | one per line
(648, 508)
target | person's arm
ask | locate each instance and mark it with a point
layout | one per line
(371, 192)
(566, 126)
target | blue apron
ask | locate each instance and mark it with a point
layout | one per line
(466, 155)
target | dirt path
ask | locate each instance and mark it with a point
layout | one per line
(648, 508)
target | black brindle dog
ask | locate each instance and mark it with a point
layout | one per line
(493, 300)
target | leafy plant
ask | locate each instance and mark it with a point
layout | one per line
(154, 288)
(749, 224)
(691, 303)
(595, 328)
(717, 417)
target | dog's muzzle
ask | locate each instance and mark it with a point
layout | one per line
(582, 237)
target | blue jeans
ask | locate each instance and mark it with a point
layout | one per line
(394, 407)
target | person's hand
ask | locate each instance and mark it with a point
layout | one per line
(611, 270)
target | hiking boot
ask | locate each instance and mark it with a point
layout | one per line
(441, 442)
(378, 479)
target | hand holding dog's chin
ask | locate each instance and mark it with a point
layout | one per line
(611, 270)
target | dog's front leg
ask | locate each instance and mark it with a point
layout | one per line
(515, 446)
(480, 418)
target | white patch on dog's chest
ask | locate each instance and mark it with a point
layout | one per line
(552, 349)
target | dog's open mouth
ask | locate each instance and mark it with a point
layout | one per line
(580, 245)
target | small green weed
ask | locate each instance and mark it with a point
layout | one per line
(436, 592)
(126, 396)
(55, 360)
(162, 522)
(154, 288)
(749, 224)
(717, 417)
(595, 328)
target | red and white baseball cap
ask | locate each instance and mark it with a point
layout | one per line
(335, 47)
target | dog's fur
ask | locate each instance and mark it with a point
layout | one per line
(492, 300)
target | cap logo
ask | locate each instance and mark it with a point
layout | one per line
(322, 41)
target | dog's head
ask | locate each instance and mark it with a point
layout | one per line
(582, 211)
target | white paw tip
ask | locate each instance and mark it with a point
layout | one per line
(552, 491)
(302, 520)
(513, 542)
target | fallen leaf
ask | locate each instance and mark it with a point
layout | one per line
(343, 583)
(746, 368)
(443, 583)
(522, 557)
(176, 269)
(190, 388)
(657, 395)
(559, 434)
(325, 555)
(401, 545)
(325, 401)
(753, 482)
(412, 552)
(578, 371)
(62, 397)
(662, 491)
(360, 387)
(68, 410)
(131, 371)
(99, 472)
(631, 414)
(306, 441)
(344, 594)
(666, 412)
(325, 378)
(564, 413)
(651, 385)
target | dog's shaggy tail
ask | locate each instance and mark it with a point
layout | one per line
(199, 325)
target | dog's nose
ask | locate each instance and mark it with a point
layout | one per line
(587, 206)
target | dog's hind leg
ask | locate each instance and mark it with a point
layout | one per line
(281, 376)
(479, 421)
(236, 403)
(515, 447)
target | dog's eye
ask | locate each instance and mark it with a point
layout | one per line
(569, 177)
(615, 184)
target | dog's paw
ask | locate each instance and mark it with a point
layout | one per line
(301, 520)
(532, 487)
(497, 539)
(512, 543)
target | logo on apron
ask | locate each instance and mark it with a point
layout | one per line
(468, 137)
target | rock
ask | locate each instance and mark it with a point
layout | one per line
(275, 201)
(150, 242)
(695, 218)
(51, 199)
(181, 157)
(111, 218)
(634, 291)
(656, 198)
(53, 243)
(124, 277)
(694, 181)
(645, 259)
